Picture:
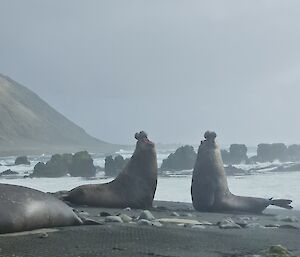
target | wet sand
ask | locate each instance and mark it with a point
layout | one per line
(177, 237)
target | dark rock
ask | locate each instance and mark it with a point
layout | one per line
(293, 152)
(22, 160)
(8, 172)
(43, 235)
(236, 155)
(57, 166)
(68, 159)
(272, 152)
(113, 166)
(183, 159)
(82, 165)
(225, 156)
(40, 170)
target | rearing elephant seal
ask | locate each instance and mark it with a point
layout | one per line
(23, 208)
(134, 187)
(210, 189)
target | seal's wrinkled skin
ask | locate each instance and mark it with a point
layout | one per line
(23, 209)
(210, 190)
(134, 187)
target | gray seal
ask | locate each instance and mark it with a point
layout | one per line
(134, 187)
(23, 209)
(210, 192)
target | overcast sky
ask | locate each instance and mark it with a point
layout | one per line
(174, 68)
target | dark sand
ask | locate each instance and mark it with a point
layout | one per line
(170, 240)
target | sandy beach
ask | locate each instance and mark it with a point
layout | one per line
(177, 231)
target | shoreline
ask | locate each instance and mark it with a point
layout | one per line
(176, 236)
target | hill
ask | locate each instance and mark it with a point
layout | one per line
(28, 125)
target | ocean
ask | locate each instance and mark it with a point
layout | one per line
(171, 187)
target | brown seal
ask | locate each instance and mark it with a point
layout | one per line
(134, 187)
(23, 208)
(210, 190)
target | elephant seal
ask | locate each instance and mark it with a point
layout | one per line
(210, 190)
(134, 187)
(23, 209)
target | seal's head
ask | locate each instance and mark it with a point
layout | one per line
(210, 135)
(143, 143)
(209, 141)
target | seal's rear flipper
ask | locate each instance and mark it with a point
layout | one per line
(283, 203)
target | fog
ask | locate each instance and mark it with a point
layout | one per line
(173, 68)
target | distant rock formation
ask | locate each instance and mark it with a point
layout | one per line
(293, 152)
(28, 125)
(265, 153)
(272, 152)
(22, 160)
(78, 165)
(183, 159)
(113, 166)
(8, 172)
(57, 166)
(82, 165)
(236, 155)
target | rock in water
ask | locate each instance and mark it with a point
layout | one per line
(183, 159)
(82, 165)
(22, 160)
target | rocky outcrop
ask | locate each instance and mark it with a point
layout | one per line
(78, 165)
(183, 159)
(82, 165)
(57, 166)
(8, 172)
(272, 152)
(22, 160)
(113, 166)
(293, 152)
(237, 154)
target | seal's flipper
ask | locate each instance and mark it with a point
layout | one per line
(283, 203)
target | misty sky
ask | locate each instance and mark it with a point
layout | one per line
(173, 68)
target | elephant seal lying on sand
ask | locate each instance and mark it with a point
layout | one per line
(134, 187)
(210, 189)
(23, 209)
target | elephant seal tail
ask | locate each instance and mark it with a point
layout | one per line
(283, 203)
